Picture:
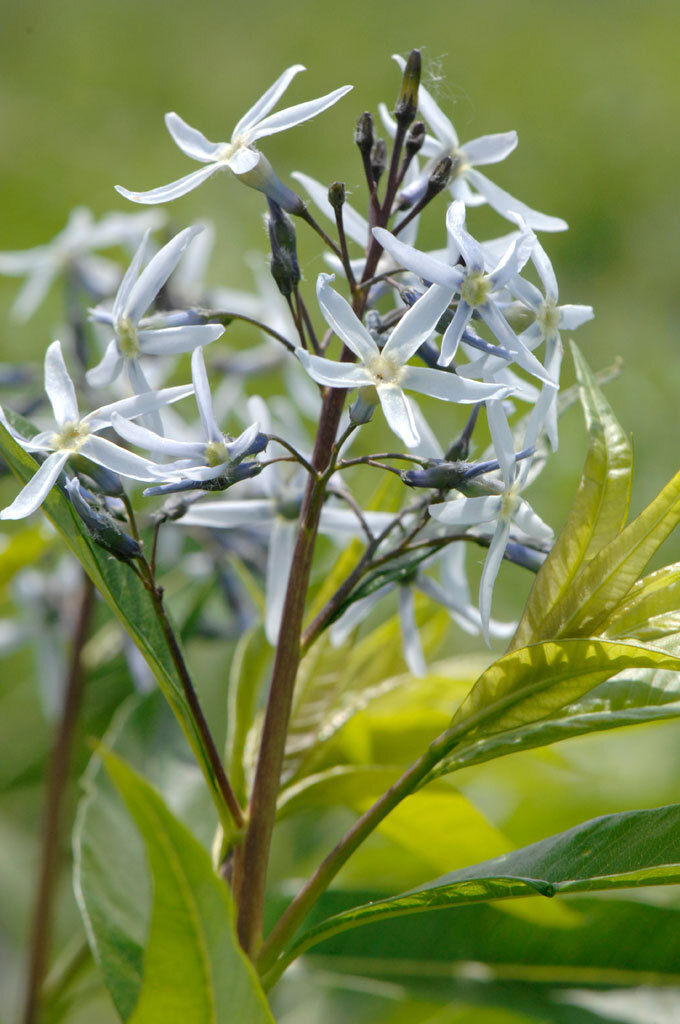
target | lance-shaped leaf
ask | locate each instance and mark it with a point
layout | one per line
(598, 513)
(530, 684)
(633, 698)
(123, 592)
(610, 575)
(616, 851)
(194, 969)
(650, 610)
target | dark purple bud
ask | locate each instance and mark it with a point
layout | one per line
(104, 530)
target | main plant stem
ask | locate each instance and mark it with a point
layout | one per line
(251, 860)
(60, 762)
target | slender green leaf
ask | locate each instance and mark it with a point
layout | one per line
(610, 575)
(649, 610)
(123, 592)
(533, 682)
(194, 969)
(246, 676)
(111, 880)
(616, 851)
(649, 695)
(598, 512)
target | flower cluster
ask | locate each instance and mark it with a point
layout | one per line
(462, 325)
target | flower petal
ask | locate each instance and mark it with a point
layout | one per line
(119, 460)
(225, 514)
(490, 149)
(203, 397)
(156, 273)
(427, 267)
(545, 270)
(191, 141)
(292, 116)
(398, 413)
(243, 160)
(279, 561)
(454, 332)
(107, 369)
(505, 204)
(32, 292)
(468, 247)
(449, 386)
(342, 319)
(467, 511)
(501, 436)
(142, 437)
(334, 375)
(410, 638)
(267, 100)
(165, 193)
(532, 524)
(37, 488)
(129, 278)
(417, 324)
(505, 334)
(170, 341)
(59, 386)
(492, 564)
(137, 405)
(572, 317)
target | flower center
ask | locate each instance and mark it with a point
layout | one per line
(475, 289)
(548, 317)
(71, 436)
(510, 501)
(385, 370)
(216, 453)
(128, 342)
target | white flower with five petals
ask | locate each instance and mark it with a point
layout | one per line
(385, 369)
(239, 155)
(137, 291)
(77, 435)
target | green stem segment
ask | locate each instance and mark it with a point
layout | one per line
(60, 762)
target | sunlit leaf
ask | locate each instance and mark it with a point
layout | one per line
(598, 512)
(651, 608)
(616, 851)
(531, 683)
(194, 969)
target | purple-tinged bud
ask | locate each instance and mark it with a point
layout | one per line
(363, 134)
(284, 265)
(104, 530)
(440, 476)
(378, 159)
(363, 406)
(104, 480)
(527, 557)
(407, 101)
(414, 139)
(439, 177)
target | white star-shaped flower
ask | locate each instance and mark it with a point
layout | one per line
(240, 154)
(137, 291)
(487, 149)
(477, 287)
(77, 435)
(72, 249)
(385, 369)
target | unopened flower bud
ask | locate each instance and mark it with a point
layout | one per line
(363, 134)
(104, 530)
(363, 406)
(439, 177)
(407, 101)
(378, 159)
(336, 195)
(104, 480)
(440, 476)
(414, 139)
(284, 265)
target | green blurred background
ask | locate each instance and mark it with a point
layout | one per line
(593, 88)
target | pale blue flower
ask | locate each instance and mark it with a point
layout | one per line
(74, 434)
(487, 149)
(384, 371)
(240, 154)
